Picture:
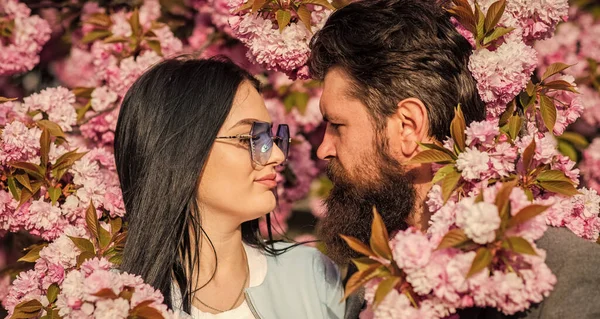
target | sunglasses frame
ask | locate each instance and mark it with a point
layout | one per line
(269, 132)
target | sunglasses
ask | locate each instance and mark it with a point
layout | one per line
(261, 141)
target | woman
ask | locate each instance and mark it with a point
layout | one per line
(196, 160)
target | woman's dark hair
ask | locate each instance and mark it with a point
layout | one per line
(167, 125)
(396, 49)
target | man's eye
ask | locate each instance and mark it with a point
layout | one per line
(335, 125)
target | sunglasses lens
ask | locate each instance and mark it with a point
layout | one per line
(262, 143)
(283, 132)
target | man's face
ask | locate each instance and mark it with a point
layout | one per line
(363, 172)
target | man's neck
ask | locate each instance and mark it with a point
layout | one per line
(421, 215)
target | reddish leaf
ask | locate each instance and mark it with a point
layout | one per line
(106, 293)
(503, 199)
(457, 129)
(380, 241)
(257, 5)
(91, 220)
(494, 14)
(528, 154)
(148, 313)
(359, 278)
(431, 156)
(83, 244)
(95, 35)
(554, 69)
(358, 246)
(526, 214)
(24, 180)
(53, 128)
(83, 92)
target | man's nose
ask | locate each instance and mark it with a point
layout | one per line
(326, 150)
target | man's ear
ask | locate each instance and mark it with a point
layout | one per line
(408, 126)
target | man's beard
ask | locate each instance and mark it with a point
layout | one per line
(350, 204)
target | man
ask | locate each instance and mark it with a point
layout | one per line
(393, 72)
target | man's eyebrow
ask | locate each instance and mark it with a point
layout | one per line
(246, 121)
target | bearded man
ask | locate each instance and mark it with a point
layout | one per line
(393, 71)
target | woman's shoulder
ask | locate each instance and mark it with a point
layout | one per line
(302, 259)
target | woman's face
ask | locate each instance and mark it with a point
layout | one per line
(232, 187)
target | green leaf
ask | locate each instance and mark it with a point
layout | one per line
(519, 245)
(155, 46)
(363, 263)
(358, 246)
(553, 175)
(480, 17)
(33, 254)
(95, 35)
(482, 260)
(83, 244)
(496, 34)
(548, 110)
(54, 193)
(83, 92)
(117, 39)
(384, 288)
(564, 188)
(12, 186)
(7, 99)
(104, 237)
(494, 14)
(442, 172)
(526, 214)
(27, 309)
(53, 292)
(99, 19)
(304, 16)
(91, 221)
(431, 156)
(115, 225)
(530, 88)
(567, 150)
(380, 240)
(514, 126)
(283, 19)
(24, 180)
(257, 5)
(453, 238)
(528, 154)
(116, 259)
(134, 21)
(53, 128)
(505, 116)
(449, 184)
(322, 3)
(84, 256)
(554, 69)
(574, 138)
(246, 6)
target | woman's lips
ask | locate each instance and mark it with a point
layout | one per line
(268, 180)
